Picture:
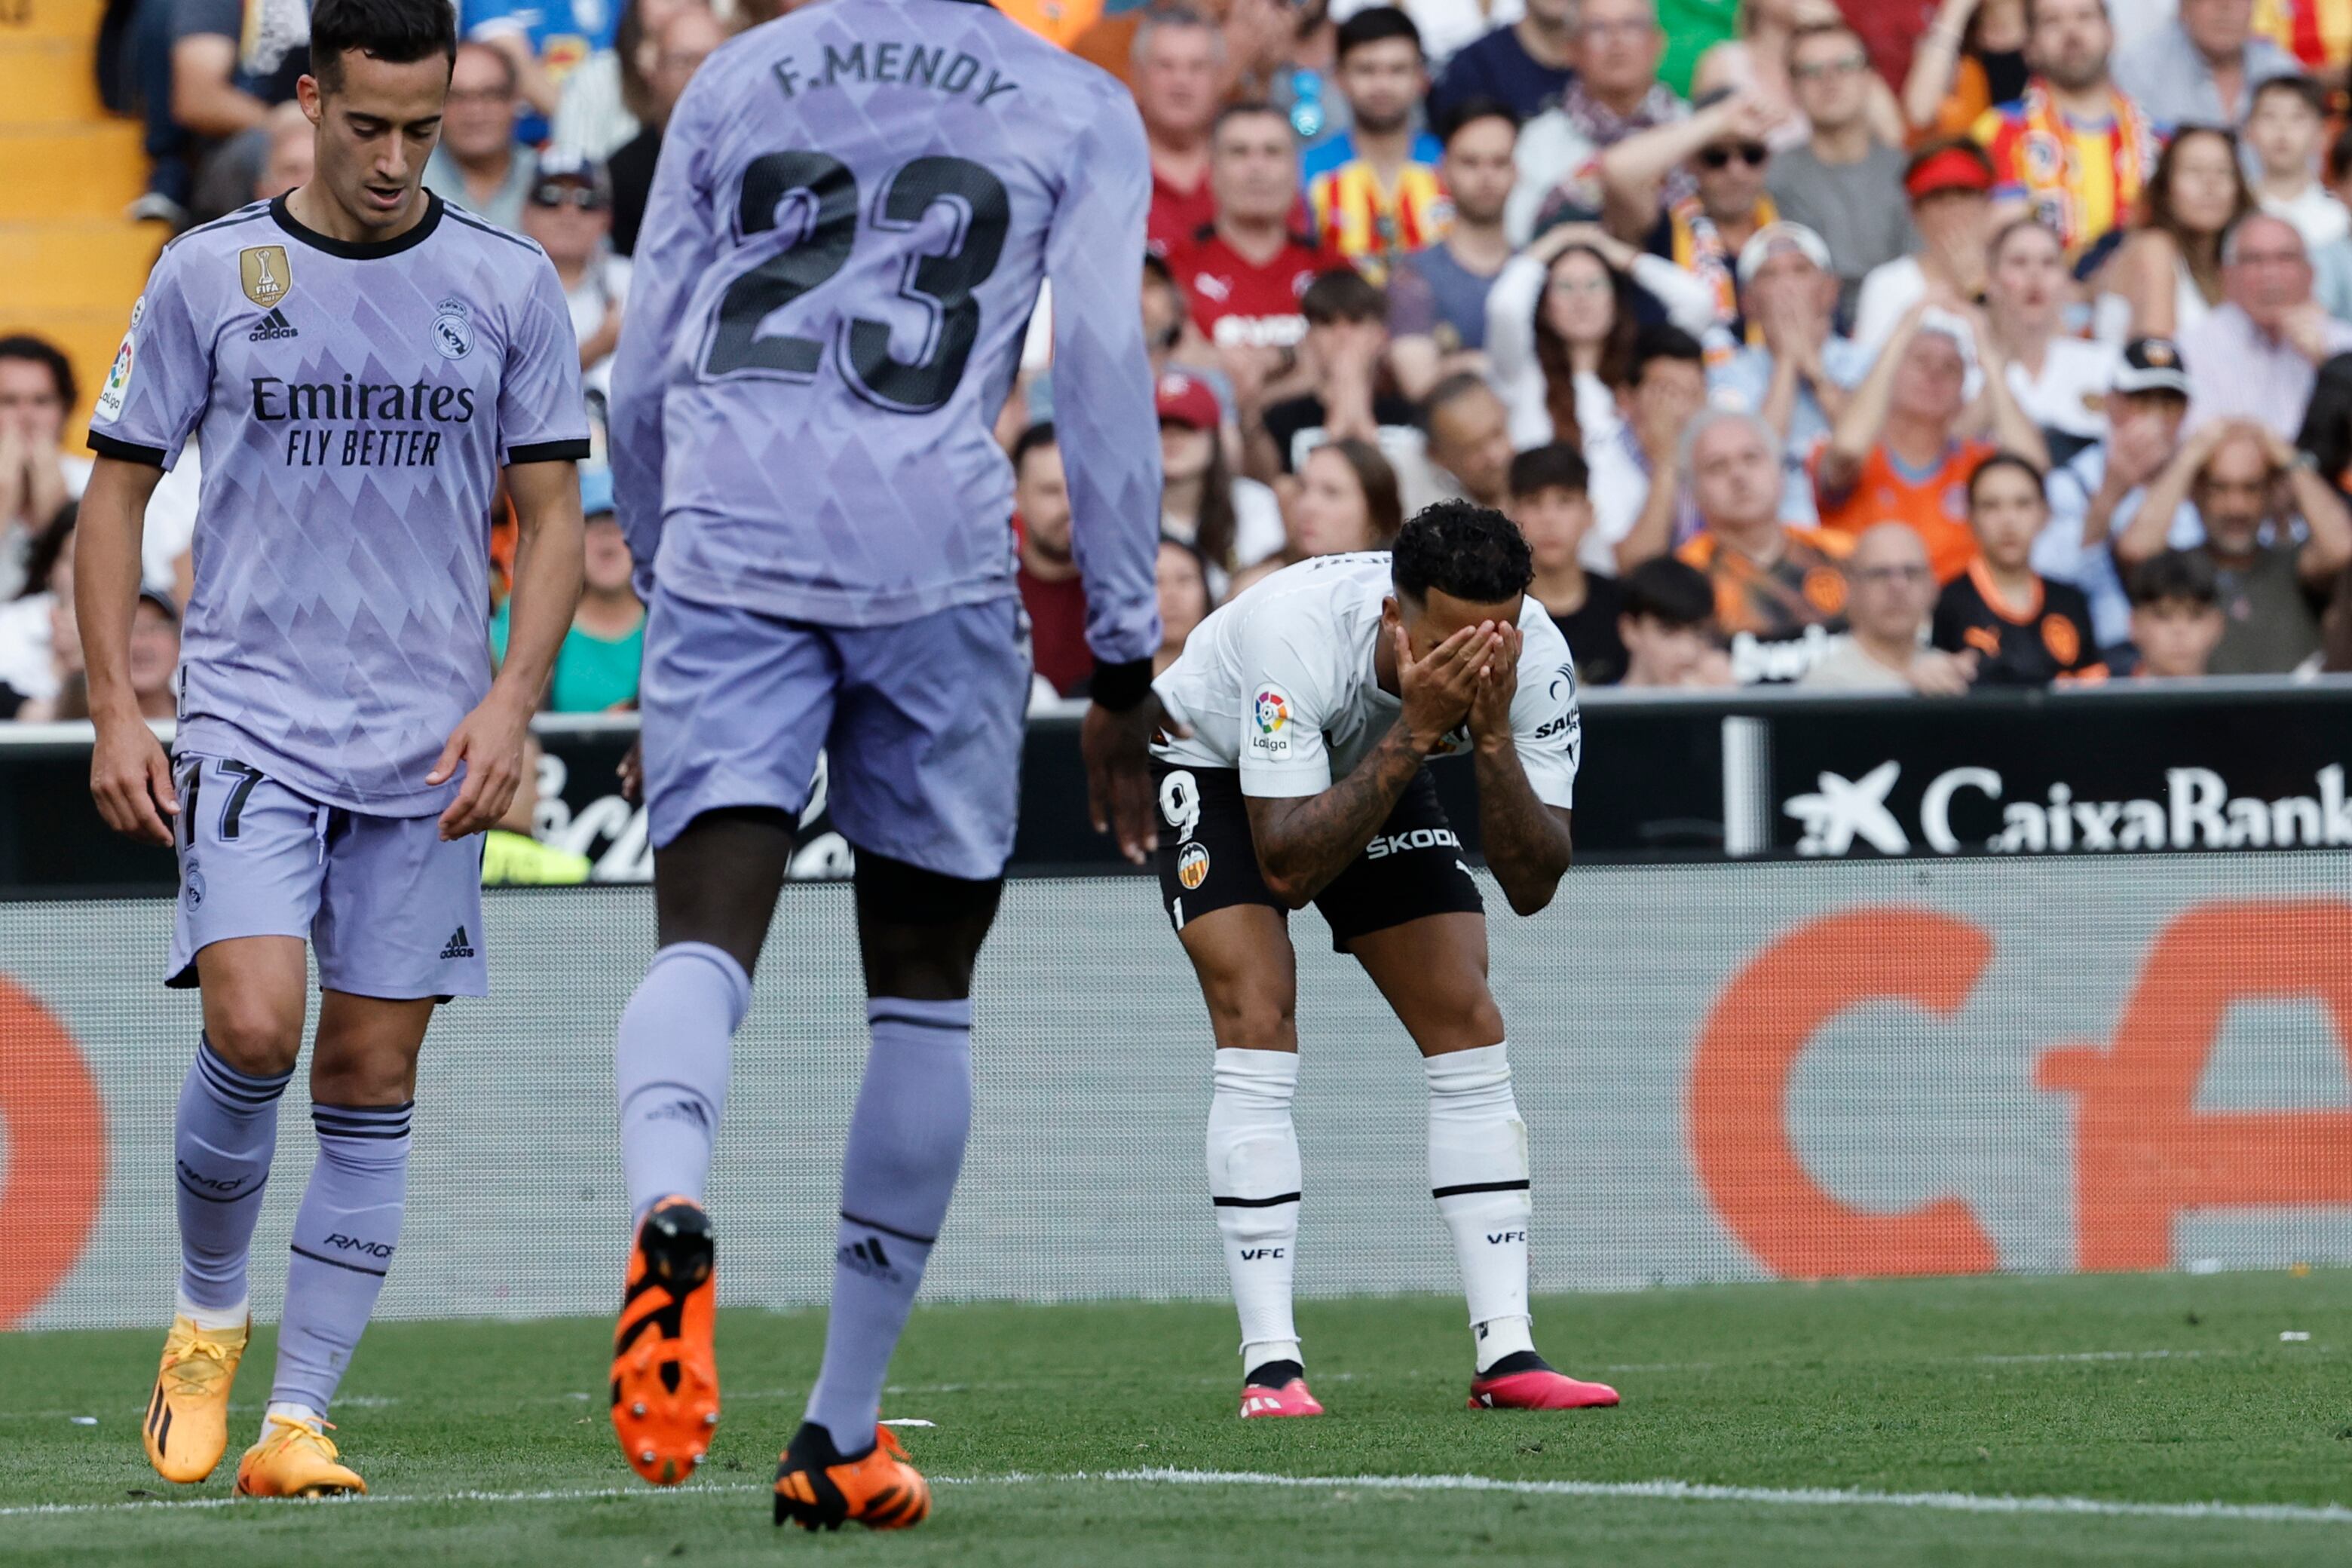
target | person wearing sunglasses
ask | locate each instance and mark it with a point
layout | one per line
(569, 213)
(1724, 145)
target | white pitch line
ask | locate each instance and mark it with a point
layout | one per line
(1633, 1491)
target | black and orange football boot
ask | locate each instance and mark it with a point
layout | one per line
(664, 1370)
(881, 1489)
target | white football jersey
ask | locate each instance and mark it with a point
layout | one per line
(1279, 685)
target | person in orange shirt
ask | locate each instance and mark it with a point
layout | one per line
(2073, 152)
(1898, 454)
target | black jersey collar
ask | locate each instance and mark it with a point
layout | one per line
(361, 250)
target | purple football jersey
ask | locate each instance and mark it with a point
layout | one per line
(853, 209)
(354, 404)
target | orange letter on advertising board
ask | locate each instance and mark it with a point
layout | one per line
(55, 1171)
(2143, 1153)
(1739, 1094)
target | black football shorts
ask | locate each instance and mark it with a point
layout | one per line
(1413, 867)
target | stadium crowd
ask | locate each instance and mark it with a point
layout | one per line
(1904, 346)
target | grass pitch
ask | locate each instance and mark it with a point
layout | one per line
(2145, 1420)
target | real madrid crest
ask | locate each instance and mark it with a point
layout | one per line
(453, 329)
(262, 269)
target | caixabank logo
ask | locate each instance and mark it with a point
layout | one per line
(2197, 810)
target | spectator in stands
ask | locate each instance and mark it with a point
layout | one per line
(1524, 65)
(1898, 454)
(596, 666)
(1971, 58)
(1048, 573)
(2025, 629)
(203, 85)
(1774, 584)
(34, 660)
(1551, 501)
(2202, 70)
(1373, 190)
(479, 165)
(1243, 279)
(1799, 376)
(1616, 95)
(1562, 323)
(2269, 338)
(2315, 32)
(1185, 601)
(1641, 507)
(1843, 183)
(291, 156)
(2176, 616)
(1229, 522)
(1949, 185)
(2243, 478)
(1344, 390)
(686, 38)
(606, 97)
(1179, 66)
(2096, 494)
(2166, 279)
(1890, 589)
(1437, 296)
(37, 479)
(1470, 439)
(1668, 627)
(2073, 152)
(1758, 60)
(2285, 132)
(2060, 381)
(1347, 501)
(154, 661)
(1446, 26)
(1723, 147)
(569, 215)
(544, 39)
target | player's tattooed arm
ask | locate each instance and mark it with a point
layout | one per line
(1527, 842)
(1304, 842)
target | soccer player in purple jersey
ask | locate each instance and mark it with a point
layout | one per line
(359, 364)
(853, 212)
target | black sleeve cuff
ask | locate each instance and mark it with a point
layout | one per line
(105, 446)
(549, 452)
(1119, 687)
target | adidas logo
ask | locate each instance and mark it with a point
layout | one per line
(461, 945)
(271, 326)
(868, 1257)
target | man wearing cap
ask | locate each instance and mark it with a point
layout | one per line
(1798, 375)
(2203, 69)
(1896, 454)
(1843, 183)
(569, 215)
(1949, 184)
(2268, 337)
(1723, 148)
(2094, 496)
(1229, 521)
(478, 164)
(596, 666)
(2072, 153)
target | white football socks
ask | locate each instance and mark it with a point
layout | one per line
(1478, 1175)
(1254, 1180)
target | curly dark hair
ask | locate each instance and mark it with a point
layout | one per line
(1472, 553)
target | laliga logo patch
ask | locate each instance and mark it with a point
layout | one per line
(1272, 711)
(453, 329)
(1193, 866)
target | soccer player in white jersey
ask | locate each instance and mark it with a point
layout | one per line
(1316, 701)
(362, 364)
(854, 207)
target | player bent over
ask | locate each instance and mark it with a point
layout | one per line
(1314, 701)
(833, 278)
(359, 363)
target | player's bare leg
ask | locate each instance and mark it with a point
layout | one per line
(1249, 978)
(919, 933)
(715, 889)
(1432, 972)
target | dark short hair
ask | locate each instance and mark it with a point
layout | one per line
(1471, 111)
(1669, 591)
(1376, 25)
(2175, 574)
(1457, 547)
(1660, 341)
(2011, 460)
(1342, 294)
(400, 32)
(41, 351)
(1555, 465)
(1248, 109)
(1825, 28)
(2314, 96)
(1454, 388)
(1038, 434)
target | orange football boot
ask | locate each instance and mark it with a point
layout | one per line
(665, 1370)
(880, 1490)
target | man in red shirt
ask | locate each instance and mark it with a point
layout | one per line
(1179, 63)
(1050, 589)
(1241, 278)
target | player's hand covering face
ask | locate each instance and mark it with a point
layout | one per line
(1436, 691)
(1499, 684)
